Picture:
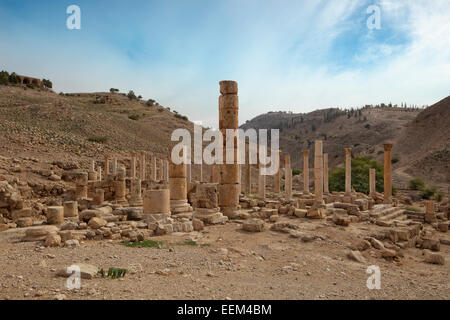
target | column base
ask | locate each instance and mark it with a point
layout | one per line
(180, 206)
(231, 212)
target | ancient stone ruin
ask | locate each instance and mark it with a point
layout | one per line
(142, 195)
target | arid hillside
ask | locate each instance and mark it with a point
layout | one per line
(365, 131)
(425, 144)
(36, 122)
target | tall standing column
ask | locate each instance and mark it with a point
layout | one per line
(107, 169)
(136, 193)
(178, 186)
(288, 177)
(387, 173)
(215, 174)
(229, 187)
(154, 168)
(276, 177)
(325, 174)
(189, 172)
(133, 167)
(261, 183)
(166, 171)
(142, 166)
(305, 171)
(201, 171)
(348, 171)
(318, 171)
(92, 174)
(114, 166)
(372, 181)
(161, 170)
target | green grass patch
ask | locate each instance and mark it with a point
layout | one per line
(144, 244)
(414, 209)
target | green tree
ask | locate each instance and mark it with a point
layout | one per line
(131, 95)
(13, 78)
(4, 77)
(113, 90)
(47, 83)
(360, 176)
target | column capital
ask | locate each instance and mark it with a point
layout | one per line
(305, 152)
(348, 150)
(388, 146)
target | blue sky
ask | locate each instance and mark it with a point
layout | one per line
(286, 55)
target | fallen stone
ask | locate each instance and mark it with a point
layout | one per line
(97, 223)
(87, 271)
(52, 240)
(356, 256)
(253, 225)
(433, 258)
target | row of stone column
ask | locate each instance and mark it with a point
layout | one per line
(137, 169)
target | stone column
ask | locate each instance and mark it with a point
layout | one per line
(189, 173)
(372, 182)
(92, 175)
(288, 177)
(325, 174)
(70, 209)
(248, 179)
(154, 169)
(136, 193)
(387, 173)
(305, 171)
(107, 169)
(201, 171)
(133, 167)
(166, 171)
(318, 171)
(348, 171)
(229, 187)
(114, 166)
(120, 187)
(261, 183)
(276, 177)
(161, 170)
(178, 188)
(430, 215)
(142, 166)
(156, 205)
(215, 173)
(81, 186)
(99, 173)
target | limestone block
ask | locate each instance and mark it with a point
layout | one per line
(253, 225)
(70, 209)
(55, 215)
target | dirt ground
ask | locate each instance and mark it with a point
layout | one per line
(226, 263)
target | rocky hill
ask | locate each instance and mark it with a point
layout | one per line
(365, 130)
(37, 122)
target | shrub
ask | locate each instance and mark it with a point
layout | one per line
(296, 172)
(428, 192)
(98, 139)
(4, 78)
(179, 116)
(416, 184)
(150, 103)
(131, 95)
(360, 176)
(30, 85)
(113, 90)
(134, 116)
